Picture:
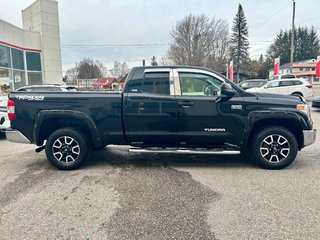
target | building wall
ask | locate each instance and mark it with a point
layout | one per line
(42, 16)
(20, 60)
(31, 55)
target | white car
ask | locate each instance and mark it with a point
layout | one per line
(282, 76)
(4, 121)
(297, 86)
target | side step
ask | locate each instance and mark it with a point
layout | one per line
(216, 151)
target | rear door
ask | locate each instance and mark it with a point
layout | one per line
(286, 87)
(150, 108)
(272, 87)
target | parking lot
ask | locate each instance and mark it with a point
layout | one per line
(122, 195)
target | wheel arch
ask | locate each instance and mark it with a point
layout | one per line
(49, 121)
(292, 125)
(297, 93)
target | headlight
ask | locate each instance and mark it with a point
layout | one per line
(304, 108)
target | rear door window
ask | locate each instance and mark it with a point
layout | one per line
(286, 83)
(156, 82)
(297, 82)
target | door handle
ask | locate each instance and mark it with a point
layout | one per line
(141, 106)
(127, 102)
(185, 104)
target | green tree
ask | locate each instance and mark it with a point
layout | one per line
(87, 68)
(239, 43)
(306, 45)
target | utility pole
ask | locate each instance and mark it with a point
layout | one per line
(292, 36)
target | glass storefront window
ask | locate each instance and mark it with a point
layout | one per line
(5, 80)
(5, 59)
(19, 79)
(17, 59)
(34, 78)
(33, 61)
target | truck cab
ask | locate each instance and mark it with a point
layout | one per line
(181, 107)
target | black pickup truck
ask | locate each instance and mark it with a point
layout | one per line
(163, 109)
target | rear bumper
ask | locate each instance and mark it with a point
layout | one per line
(309, 137)
(16, 136)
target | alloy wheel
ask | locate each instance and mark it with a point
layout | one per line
(274, 148)
(66, 149)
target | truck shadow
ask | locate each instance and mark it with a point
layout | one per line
(120, 156)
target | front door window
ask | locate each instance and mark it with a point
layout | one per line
(198, 84)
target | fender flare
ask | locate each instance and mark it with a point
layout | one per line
(84, 118)
(257, 116)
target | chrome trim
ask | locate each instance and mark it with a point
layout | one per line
(309, 137)
(185, 151)
(16, 136)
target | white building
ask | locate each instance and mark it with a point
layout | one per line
(32, 55)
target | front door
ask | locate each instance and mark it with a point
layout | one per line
(202, 121)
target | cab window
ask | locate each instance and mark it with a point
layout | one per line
(156, 82)
(135, 84)
(198, 84)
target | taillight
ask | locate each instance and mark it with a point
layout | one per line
(309, 86)
(11, 110)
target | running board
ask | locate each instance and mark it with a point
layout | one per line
(186, 151)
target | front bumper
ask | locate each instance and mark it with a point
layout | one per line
(309, 137)
(16, 136)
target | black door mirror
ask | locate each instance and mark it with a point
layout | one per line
(227, 92)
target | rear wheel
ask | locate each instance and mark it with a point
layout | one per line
(67, 149)
(274, 147)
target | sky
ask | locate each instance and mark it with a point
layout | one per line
(132, 30)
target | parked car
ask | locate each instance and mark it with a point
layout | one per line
(169, 109)
(316, 102)
(282, 76)
(47, 88)
(252, 83)
(298, 87)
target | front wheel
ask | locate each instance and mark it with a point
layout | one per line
(67, 149)
(274, 147)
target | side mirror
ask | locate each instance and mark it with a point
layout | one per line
(227, 91)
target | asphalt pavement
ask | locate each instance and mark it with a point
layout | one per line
(122, 195)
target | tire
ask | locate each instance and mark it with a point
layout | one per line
(67, 149)
(274, 147)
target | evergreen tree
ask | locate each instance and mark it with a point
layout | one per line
(306, 45)
(239, 43)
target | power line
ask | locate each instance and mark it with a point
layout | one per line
(142, 45)
(309, 20)
(269, 18)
